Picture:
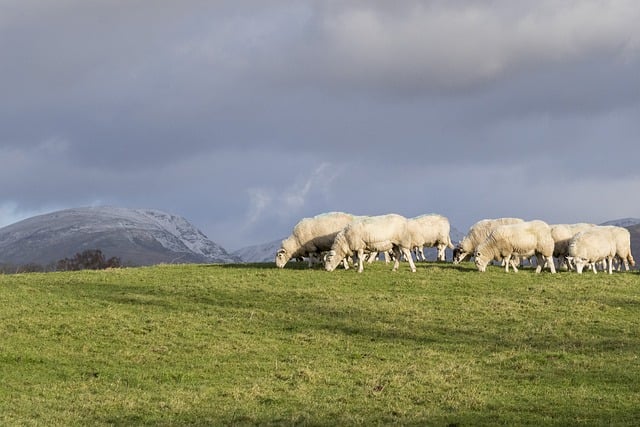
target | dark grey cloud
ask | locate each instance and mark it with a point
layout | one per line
(245, 116)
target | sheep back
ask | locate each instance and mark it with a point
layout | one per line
(477, 234)
(312, 235)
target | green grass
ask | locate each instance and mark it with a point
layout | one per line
(254, 345)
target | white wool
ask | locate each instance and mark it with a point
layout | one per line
(312, 236)
(372, 234)
(430, 231)
(591, 246)
(478, 234)
(521, 240)
(562, 235)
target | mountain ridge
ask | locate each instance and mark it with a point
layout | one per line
(137, 236)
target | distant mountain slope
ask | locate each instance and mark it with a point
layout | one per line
(623, 222)
(136, 236)
(265, 252)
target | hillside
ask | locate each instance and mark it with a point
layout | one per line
(136, 236)
(249, 345)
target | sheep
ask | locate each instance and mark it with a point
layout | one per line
(372, 234)
(478, 234)
(562, 234)
(622, 239)
(592, 246)
(430, 231)
(520, 239)
(312, 236)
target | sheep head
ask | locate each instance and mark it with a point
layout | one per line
(481, 261)
(281, 258)
(459, 254)
(332, 259)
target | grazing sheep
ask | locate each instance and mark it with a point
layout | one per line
(477, 234)
(592, 246)
(430, 231)
(622, 239)
(312, 236)
(520, 239)
(372, 234)
(562, 234)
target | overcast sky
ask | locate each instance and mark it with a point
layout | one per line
(245, 116)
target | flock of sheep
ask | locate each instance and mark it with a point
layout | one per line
(333, 238)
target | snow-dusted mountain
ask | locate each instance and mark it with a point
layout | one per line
(265, 252)
(136, 236)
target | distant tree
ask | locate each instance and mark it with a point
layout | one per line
(91, 259)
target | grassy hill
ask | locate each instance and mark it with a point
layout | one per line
(251, 344)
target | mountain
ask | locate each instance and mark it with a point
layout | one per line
(136, 236)
(265, 252)
(624, 222)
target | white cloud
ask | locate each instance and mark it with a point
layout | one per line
(269, 202)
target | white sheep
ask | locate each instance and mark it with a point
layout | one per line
(430, 231)
(622, 239)
(477, 234)
(372, 234)
(562, 234)
(312, 236)
(592, 246)
(521, 240)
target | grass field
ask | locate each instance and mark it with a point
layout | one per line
(254, 345)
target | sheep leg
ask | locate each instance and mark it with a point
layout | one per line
(552, 266)
(360, 260)
(625, 262)
(407, 253)
(610, 262)
(539, 262)
(396, 258)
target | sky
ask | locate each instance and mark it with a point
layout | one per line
(244, 116)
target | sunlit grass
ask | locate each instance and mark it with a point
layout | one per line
(252, 344)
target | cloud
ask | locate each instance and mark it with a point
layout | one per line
(269, 202)
(444, 47)
(245, 116)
